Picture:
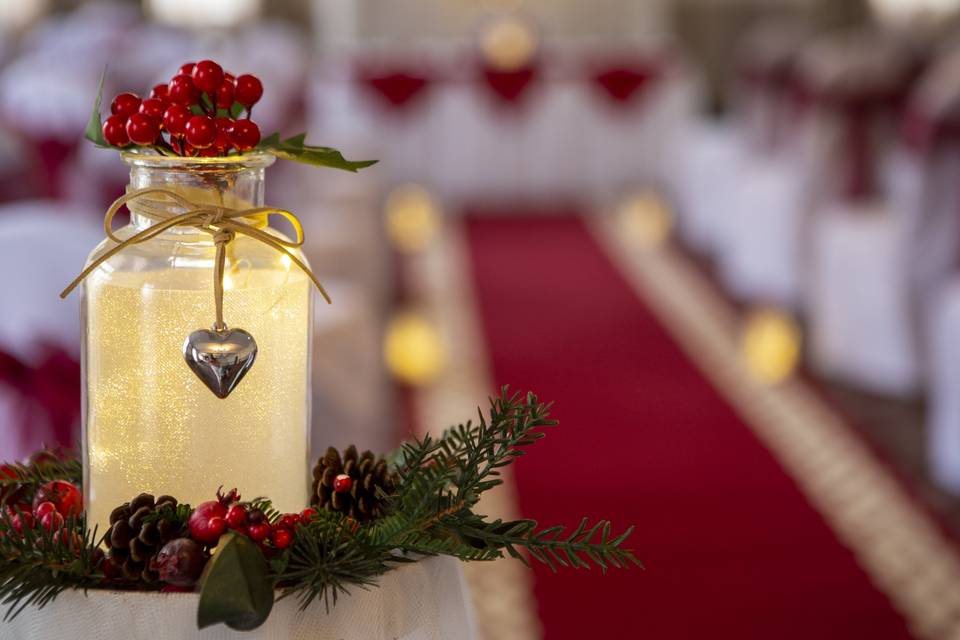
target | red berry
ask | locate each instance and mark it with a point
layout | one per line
(289, 520)
(207, 76)
(201, 131)
(245, 134)
(225, 94)
(342, 483)
(236, 516)
(187, 68)
(223, 143)
(307, 514)
(182, 90)
(175, 119)
(74, 541)
(248, 90)
(125, 104)
(154, 108)
(44, 508)
(207, 522)
(142, 129)
(259, 532)
(51, 521)
(281, 538)
(115, 131)
(65, 496)
(159, 91)
(21, 520)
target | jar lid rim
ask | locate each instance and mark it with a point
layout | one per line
(251, 160)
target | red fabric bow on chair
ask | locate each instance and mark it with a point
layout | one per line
(47, 393)
(510, 86)
(624, 83)
(397, 89)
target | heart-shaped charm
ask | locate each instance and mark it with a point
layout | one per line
(220, 357)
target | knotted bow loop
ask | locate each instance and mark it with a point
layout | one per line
(222, 223)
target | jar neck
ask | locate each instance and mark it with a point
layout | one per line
(234, 187)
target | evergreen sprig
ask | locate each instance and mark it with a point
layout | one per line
(441, 480)
(35, 473)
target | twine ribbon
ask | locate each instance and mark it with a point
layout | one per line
(222, 223)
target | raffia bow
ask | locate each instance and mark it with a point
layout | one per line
(222, 223)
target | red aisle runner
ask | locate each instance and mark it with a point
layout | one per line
(732, 548)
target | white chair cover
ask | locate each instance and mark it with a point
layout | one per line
(944, 390)
(862, 322)
(427, 600)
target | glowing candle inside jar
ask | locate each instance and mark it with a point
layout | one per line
(153, 426)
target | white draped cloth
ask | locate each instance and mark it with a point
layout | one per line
(427, 600)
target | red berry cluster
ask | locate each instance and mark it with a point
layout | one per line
(191, 115)
(53, 503)
(213, 518)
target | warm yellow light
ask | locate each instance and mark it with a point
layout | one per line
(645, 219)
(413, 350)
(508, 44)
(411, 217)
(771, 345)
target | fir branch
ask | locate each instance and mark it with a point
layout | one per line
(39, 472)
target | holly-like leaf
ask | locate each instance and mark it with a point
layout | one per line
(235, 587)
(94, 130)
(294, 148)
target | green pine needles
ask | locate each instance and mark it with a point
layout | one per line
(441, 481)
(432, 512)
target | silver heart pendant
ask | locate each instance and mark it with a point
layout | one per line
(220, 358)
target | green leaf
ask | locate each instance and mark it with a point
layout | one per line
(197, 110)
(236, 109)
(235, 588)
(294, 149)
(94, 130)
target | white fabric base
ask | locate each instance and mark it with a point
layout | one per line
(426, 600)
(760, 255)
(944, 417)
(860, 306)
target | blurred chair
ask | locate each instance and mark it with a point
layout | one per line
(759, 259)
(861, 321)
(39, 332)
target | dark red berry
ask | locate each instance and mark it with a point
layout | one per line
(225, 94)
(180, 562)
(207, 522)
(201, 131)
(248, 90)
(236, 516)
(207, 76)
(175, 119)
(51, 521)
(125, 105)
(153, 108)
(64, 495)
(259, 531)
(22, 520)
(281, 538)
(307, 514)
(187, 68)
(159, 91)
(142, 129)
(182, 90)
(245, 134)
(342, 483)
(115, 131)
(44, 508)
(289, 520)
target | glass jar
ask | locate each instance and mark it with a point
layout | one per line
(150, 424)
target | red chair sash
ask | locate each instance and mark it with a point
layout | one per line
(510, 88)
(624, 84)
(397, 90)
(48, 392)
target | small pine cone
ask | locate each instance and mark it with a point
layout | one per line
(358, 497)
(138, 530)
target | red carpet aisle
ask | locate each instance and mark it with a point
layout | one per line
(733, 549)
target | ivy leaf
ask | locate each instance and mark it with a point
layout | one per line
(294, 148)
(94, 130)
(235, 588)
(236, 109)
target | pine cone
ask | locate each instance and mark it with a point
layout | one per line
(138, 530)
(357, 497)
